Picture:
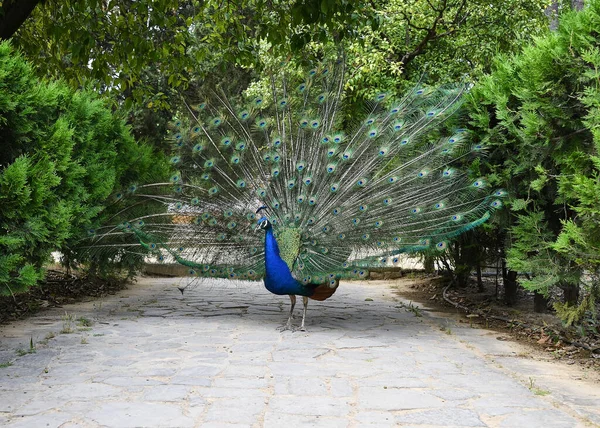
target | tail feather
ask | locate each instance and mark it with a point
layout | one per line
(341, 199)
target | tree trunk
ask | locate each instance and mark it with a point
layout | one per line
(480, 286)
(570, 294)
(462, 278)
(462, 267)
(577, 4)
(509, 278)
(429, 264)
(540, 303)
(13, 14)
(552, 13)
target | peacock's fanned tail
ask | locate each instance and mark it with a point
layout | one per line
(341, 197)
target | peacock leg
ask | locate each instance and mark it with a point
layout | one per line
(288, 325)
(305, 302)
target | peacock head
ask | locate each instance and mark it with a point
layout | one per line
(263, 223)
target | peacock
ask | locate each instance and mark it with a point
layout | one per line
(287, 189)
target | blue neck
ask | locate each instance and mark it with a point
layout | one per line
(278, 278)
(271, 247)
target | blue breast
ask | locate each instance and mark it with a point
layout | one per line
(278, 278)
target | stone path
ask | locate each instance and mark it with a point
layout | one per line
(149, 357)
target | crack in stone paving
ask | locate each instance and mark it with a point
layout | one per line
(213, 357)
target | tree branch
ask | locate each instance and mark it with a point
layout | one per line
(430, 35)
(13, 14)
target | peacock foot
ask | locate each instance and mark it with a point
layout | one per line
(301, 328)
(286, 326)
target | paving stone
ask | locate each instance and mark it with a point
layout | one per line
(307, 386)
(590, 413)
(396, 399)
(298, 355)
(39, 404)
(66, 370)
(235, 410)
(155, 312)
(316, 406)
(194, 406)
(191, 381)
(119, 362)
(437, 369)
(515, 400)
(131, 381)
(396, 380)
(248, 347)
(140, 415)
(84, 391)
(442, 417)
(295, 369)
(75, 407)
(154, 371)
(12, 399)
(282, 385)
(544, 418)
(230, 392)
(166, 393)
(495, 411)
(340, 387)
(240, 382)
(364, 417)
(200, 370)
(223, 425)
(278, 420)
(454, 394)
(245, 370)
(49, 419)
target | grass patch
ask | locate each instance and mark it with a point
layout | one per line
(537, 391)
(68, 322)
(31, 350)
(446, 330)
(50, 335)
(84, 322)
(414, 309)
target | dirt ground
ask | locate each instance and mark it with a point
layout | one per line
(543, 333)
(58, 289)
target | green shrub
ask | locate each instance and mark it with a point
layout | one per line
(63, 154)
(539, 113)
